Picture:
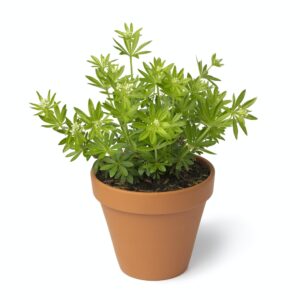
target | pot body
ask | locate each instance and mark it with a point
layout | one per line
(153, 233)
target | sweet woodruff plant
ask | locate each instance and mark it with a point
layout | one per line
(150, 124)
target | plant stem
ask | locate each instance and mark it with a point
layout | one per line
(205, 132)
(157, 100)
(131, 67)
(126, 134)
(107, 92)
(155, 154)
(157, 90)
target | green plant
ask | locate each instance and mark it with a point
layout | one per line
(149, 124)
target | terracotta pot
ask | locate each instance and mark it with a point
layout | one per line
(153, 233)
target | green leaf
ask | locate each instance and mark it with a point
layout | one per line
(162, 168)
(249, 103)
(212, 78)
(153, 137)
(91, 107)
(143, 46)
(144, 135)
(163, 133)
(39, 95)
(82, 115)
(129, 178)
(109, 160)
(242, 124)
(235, 128)
(106, 167)
(113, 171)
(76, 156)
(123, 170)
(63, 141)
(250, 117)
(93, 81)
(240, 98)
(127, 164)
(120, 48)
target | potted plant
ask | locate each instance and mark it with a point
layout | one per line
(146, 137)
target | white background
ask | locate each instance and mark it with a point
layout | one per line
(54, 243)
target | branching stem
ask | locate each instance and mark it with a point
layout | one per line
(131, 66)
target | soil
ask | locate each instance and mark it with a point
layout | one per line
(197, 173)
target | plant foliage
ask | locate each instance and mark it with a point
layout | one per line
(150, 123)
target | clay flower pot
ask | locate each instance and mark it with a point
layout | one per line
(153, 233)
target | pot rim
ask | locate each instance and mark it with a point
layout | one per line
(154, 202)
(181, 190)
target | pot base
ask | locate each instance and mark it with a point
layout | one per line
(137, 276)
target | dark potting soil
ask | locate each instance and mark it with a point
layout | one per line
(197, 173)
